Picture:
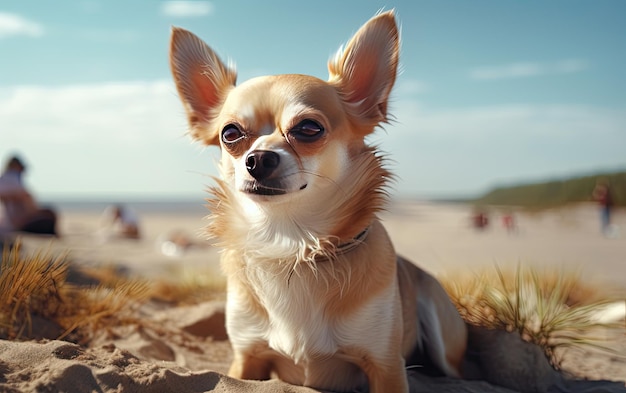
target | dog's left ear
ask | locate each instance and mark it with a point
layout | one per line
(202, 80)
(365, 71)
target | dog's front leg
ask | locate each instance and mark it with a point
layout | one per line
(246, 366)
(385, 371)
(386, 377)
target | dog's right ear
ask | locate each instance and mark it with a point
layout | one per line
(202, 81)
(365, 70)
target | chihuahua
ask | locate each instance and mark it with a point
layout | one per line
(316, 293)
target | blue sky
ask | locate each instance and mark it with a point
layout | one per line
(491, 92)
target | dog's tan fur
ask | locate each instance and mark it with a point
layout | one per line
(316, 293)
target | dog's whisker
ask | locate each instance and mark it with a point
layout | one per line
(327, 179)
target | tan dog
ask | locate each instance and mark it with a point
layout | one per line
(316, 293)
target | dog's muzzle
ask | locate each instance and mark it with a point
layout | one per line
(262, 163)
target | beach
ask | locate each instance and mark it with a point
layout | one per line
(440, 238)
(437, 236)
(185, 348)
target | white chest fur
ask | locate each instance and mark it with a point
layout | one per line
(294, 326)
(297, 323)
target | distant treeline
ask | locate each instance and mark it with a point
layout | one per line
(556, 192)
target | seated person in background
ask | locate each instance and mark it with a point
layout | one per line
(21, 212)
(123, 220)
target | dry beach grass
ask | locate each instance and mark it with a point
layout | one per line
(551, 309)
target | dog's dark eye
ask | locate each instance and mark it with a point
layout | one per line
(307, 131)
(231, 134)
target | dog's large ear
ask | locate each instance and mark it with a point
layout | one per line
(202, 81)
(365, 70)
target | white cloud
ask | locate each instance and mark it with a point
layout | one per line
(184, 9)
(116, 108)
(467, 150)
(12, 24)
(121, 138)
(113, 138)
(528, 69)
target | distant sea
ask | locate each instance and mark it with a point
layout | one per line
(173, 206)
(179, 205)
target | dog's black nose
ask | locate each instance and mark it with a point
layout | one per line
(261, 163)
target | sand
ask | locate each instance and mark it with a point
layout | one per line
(185, 348)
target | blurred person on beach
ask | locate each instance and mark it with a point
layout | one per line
(508, 222)
(602, 194)
(123, 221)
(21, 211)
(480, 219)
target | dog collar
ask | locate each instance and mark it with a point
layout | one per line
(346, 247)
(343, 248)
